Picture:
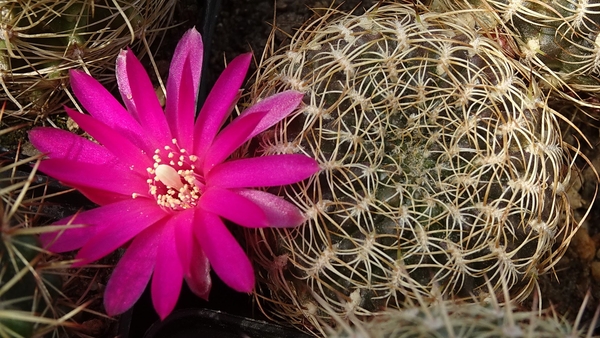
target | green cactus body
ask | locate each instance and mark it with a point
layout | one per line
(20, 296)
(441, 166)
(29, 286)
(42, 40)
(40, 296)
(18, 286)
(26, 291)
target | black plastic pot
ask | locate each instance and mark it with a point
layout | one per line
(227, 314)
(209, 13)
(210, 323)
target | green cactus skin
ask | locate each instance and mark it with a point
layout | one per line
(41, 40)
(19, 286)
(441, 165)
(30, 287)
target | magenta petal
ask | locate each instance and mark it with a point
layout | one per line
(95, 220)
(102, 177)
(182, 87)
(68, 239)
(277, 107)
(182, 222)
(120, 230)
(198, 279)
(264, 171)
(150, 113)
(168, 272)
(124, 85)
(102, 197)
(105, 108)
(233, 207)
(188, 48)
(224, 253)
(182, 121)
(229, 139)
(128, 153)
(58, 143)
(132, 273)
(280, 213)
(219, 103)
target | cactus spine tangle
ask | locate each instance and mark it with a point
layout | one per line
(40, 40)
(441, 163)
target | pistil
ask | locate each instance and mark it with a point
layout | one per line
(168, 176)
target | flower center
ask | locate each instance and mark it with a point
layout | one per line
(173, 180)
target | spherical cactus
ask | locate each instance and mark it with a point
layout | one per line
(441, 165)
(41, 40)
(21, 303)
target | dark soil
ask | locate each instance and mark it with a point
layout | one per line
(246, 25)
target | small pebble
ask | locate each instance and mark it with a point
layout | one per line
(94, 327)
(595, 267)
(583, 245)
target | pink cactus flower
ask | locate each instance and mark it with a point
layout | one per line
(164, 182)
